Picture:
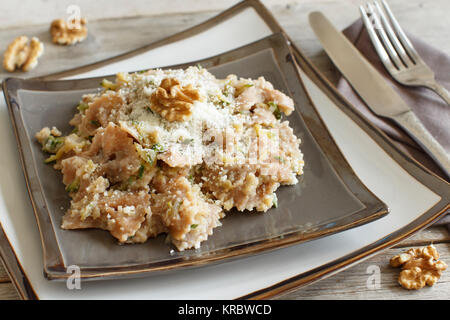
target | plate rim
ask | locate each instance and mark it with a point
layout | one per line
(373, 207)
(424, 220)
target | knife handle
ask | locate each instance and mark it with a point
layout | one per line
(409, 121)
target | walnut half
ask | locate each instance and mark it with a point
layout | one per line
(36, 50)
(172, 101)
(420, 267)
(65, 34)
(22, 55)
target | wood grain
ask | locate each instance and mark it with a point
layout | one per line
(132, 33)
(44, 10)
(435, 235)
(8, 292)
(426, 20)
(102, 40)
(3, 275)
(352, 283)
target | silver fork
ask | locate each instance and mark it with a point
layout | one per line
(396, 51)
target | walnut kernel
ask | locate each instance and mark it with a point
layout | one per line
(22, 55)
(420, 267)
(173, 102)
(36, 50)
(64, 34)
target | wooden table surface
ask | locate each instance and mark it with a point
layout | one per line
(425, 19)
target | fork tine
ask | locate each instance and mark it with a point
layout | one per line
(401, 35)
(393, 37)
(375, 41)
(384, 38)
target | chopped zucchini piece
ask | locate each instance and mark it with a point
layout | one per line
(108, 85)
(73, 186)
(275, 110)
(82, 107)
(275, 201)
(147, 155)
(52, 144)
(51, 158)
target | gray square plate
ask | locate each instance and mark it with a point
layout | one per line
(329, 197)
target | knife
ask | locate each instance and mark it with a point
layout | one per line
(376, 92)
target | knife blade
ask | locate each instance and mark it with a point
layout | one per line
(374, 90)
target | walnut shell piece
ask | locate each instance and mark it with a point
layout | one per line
(22, 55)
(420, 267)
(64, 33)
(172, 101)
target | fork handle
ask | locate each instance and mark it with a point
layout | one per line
(439, 89)
(409, 121)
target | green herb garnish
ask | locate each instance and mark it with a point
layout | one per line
(52, 144)
(95, 123)
(130, 181)
(279, 158)
(141, 171)
(158, 148)
(224, 101)
(193, 226)
(227, 90)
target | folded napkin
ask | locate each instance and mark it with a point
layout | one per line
(427, 105)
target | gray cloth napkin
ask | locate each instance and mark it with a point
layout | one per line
(427, 105)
